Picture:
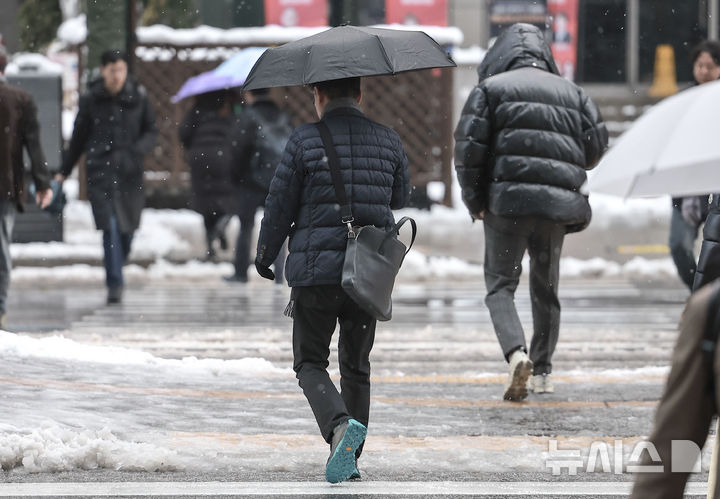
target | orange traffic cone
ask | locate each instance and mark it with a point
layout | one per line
(664, 79)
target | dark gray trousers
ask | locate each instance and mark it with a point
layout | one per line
(506, 241)
(8, 210)
(317, 311)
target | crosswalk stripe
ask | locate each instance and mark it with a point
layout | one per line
(294, 489)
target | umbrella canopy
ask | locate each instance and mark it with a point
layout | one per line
(240, 64)
(345, 52)
(229, 74)
(671, 149)
(202, 83)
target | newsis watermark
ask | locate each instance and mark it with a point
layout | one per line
(606, 457)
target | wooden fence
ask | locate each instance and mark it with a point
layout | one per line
(418, 105)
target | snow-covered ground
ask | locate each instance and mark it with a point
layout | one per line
(173, 241)
(90, 418)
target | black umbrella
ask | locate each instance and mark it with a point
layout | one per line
(345, 52)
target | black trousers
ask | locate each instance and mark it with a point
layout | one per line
(506, 240)
(317, 311)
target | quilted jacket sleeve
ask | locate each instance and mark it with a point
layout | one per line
(401, 181)
(472, 144)
(282, 203)
(595, 134)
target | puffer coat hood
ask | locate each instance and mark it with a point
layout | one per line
(520, 45)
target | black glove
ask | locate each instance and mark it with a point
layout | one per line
(264, 271)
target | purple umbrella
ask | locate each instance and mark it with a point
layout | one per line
(229, 74)
(208, 81)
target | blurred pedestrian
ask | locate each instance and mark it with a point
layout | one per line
(206, 134)
(115, 128)
(303, 204)
(690, 212)
(524, 140)
(18, 119)
(262, 135)
(688, 404)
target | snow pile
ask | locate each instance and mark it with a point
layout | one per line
(160, 270)
(54, 448)
(73, 31)
(31, 62)
(598, 267)
(55, 250)
(60, 348)
(422, 267)
(416, 267)
(612, 210)
(160, 234)
(470, 56)
(268, 35)
(79, 272)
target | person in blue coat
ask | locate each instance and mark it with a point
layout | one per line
(302, 205)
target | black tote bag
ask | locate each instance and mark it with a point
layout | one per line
(373, 256)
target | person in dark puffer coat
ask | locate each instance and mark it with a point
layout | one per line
(523, 143)
(302, 204)
(206, 135)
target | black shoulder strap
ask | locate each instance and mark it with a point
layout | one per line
(710, 338)
(334, 164)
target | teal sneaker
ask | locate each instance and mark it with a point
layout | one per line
(355, 474)
(347, 437)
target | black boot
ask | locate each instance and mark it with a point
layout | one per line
(114, 295)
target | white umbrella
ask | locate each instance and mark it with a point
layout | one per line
(674, 148)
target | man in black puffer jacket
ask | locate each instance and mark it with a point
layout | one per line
(302, 204)
(523, 143)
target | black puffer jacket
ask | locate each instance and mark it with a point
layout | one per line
(527, 135)
(302, 200)
(214, 171)
(115, 133)
(708, 268)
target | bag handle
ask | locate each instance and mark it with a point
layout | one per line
(334, 164)
(396, 231)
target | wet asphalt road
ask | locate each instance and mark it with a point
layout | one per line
(428, 398)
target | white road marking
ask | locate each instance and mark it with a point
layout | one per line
(368, 488)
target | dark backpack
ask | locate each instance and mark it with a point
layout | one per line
(272, 135)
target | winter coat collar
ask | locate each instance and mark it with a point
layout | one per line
(128, 96)
(342, 103)
(520, 45)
